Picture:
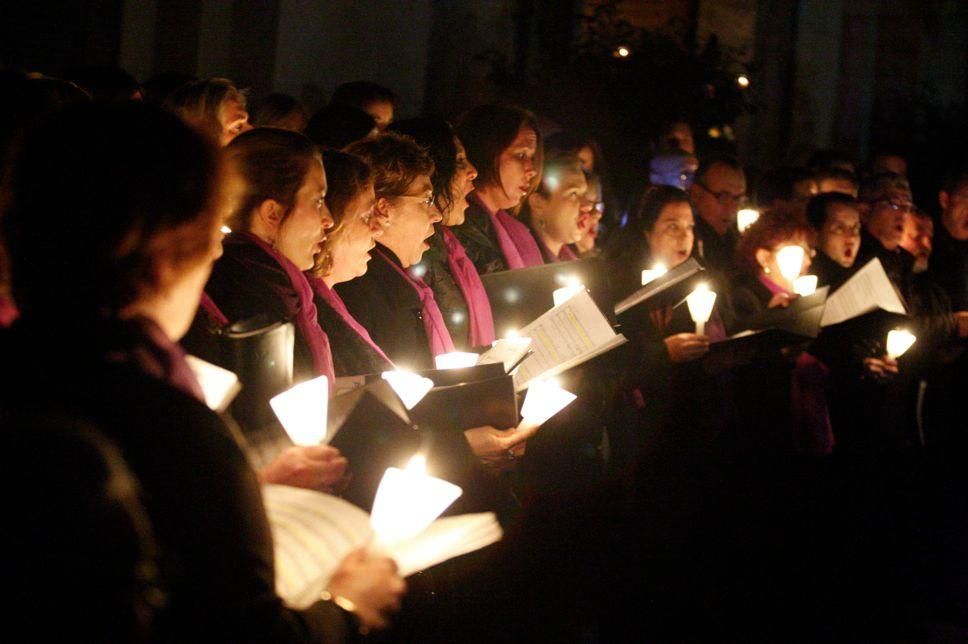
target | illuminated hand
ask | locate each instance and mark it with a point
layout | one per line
(372, 584)
(684, 347)
(499, 446)
(780, 300)
(882, 369)
(315, 467)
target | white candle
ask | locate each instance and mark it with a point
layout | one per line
(456, 360)
(565, 293)
(409, 500)
(790, 261)
(899, 341)
(410, 387)
(302, 411)
(544, 399)
(805, 285)
(700, 303)
(746, 218)
(650, 274)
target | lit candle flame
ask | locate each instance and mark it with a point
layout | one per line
(790, 261)
(746, 218)
(657, 270)
(700, 303)
(899, 341)
(302, 411)
(805, 285)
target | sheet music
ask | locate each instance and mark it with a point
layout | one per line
(508, 351)
(312, 532)
(566, 336)
(867, 290)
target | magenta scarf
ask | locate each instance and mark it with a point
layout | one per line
(434, 328)
(335, 302)
(478, 306)
(212, 310)
(515, 240)
(567, 254)
(812, 431)
(8, 311)
(305, 313)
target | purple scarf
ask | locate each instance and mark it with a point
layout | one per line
(336, 303)
(469, 281)
(812, 431)
(513, 237)
(567, 254)
(8, 311)
(155, 354)
(434, 328)
(212, 310)
(303, 312)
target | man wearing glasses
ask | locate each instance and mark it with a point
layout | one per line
(885, 200)
(717, 193)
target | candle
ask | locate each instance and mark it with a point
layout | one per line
(565, 293)
(544, 399)
(302, 411)
(790, 261)
(899, 341)
(805, 285)
(650, 274)
(746, 218)
(410, 387)
(456, 360)
(409, 500)
(700, 303)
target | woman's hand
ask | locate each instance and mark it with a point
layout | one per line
(780, 300)
(371, 582)
(315, 467)
(683, 347)
(882, 369)
(499, 447)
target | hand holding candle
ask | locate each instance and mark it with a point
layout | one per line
(302, 411)
(899, 341)
(700, 303)
(409, 500)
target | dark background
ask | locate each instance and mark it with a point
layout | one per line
(857, 75)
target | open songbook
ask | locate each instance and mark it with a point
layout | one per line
(312, 532)
(565, 337)
(868, 290)
(675, 284)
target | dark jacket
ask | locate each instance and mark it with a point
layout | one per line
(447, 293)
(201, 494)
(352, 355)
(479, 240)
(948, 267)
(246, 283)
(717, 252)
(389, 308)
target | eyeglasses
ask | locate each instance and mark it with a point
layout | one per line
(427, 202)
(723, 198)
(846, 231)
(897, 206)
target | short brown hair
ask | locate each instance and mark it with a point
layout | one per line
(395, 160)
(272, 164)
(100, 195)
(773, 226)
(487, 130)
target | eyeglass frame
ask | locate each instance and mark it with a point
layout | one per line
(724, 197)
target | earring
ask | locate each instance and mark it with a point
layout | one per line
(766, 270)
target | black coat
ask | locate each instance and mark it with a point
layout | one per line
(201, 494)
(479, 240)
(389, 308)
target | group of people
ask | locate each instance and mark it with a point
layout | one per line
(810, 490)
